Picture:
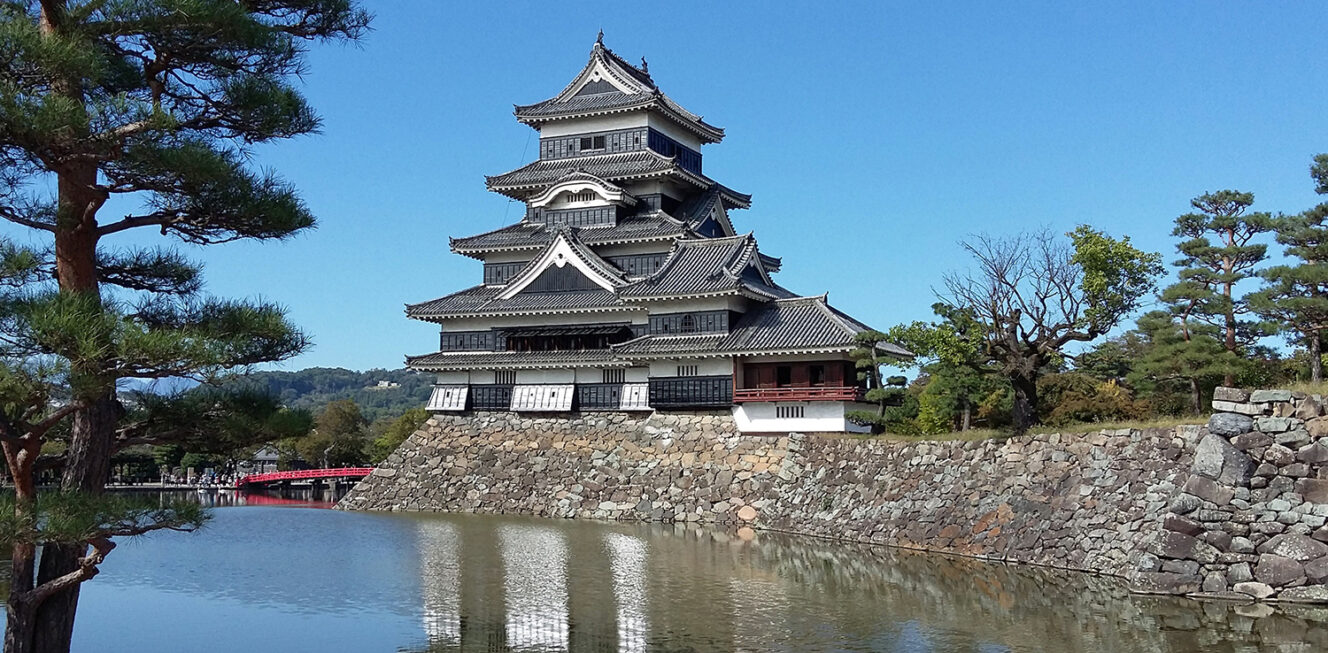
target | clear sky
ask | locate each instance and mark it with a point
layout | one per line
(873, 136)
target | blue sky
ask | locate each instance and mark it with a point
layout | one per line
(873, 137)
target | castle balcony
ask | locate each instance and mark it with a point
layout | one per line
(816, 393)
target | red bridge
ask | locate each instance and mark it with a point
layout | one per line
(303, 475)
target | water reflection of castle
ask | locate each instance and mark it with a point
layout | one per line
(497, 584)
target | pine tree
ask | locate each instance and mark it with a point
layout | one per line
(1296, 297)
(1184, 354)
(1211, 270)
(148, 106)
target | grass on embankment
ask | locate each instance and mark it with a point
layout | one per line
(975, 435)
(1320, 388)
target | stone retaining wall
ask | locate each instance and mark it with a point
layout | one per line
(1250, 520)
(1107, 502)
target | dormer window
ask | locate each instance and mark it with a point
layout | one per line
(592, 143)
(583, 196)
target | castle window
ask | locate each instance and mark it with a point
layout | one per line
(615, 376)
(783, 376)
(687, 370)
(592, 142)
(505, 377)
(687, 324)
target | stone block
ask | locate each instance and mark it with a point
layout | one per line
(1186, 567)
(1278, 571)
(1239, 573)
(1308, 409)
(1296, 547)
(1251, 440)
(1166, 583)
(1279, 455)
(1229, 424)
(1320, 534)
(1241, 545)
(1179, 524)
(1253, 588)
(1217, 459)
(1317, 427)
(1294, 439)
(1306, 594)
(1214, 581)
(1314, 453)
(1239, 408)
(1317, 570)
(1223, 393)
(1185, 504)
(1269, 396)
(1313, 489)
(1275, 424)
(1209, 490)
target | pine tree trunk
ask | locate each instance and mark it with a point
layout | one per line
(1025, 403)
(87, 470)
(87, 462)
(965, 415)
(1316, 358)
(21, 615)
(1196, 397)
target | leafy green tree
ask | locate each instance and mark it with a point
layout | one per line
(391, 433)
(1296, 295)
(339, 437)
(1218, 252)
(1077, 398)
(958, 373)
(148, 106)
(1034, 294)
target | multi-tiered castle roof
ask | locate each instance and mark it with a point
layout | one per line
(626, 263)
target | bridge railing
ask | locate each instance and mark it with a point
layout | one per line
(304, 474)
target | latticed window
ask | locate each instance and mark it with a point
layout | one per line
(615, 376)
(687, 370)
(505, 377)
(687, 324)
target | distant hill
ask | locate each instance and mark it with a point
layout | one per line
(380, 393)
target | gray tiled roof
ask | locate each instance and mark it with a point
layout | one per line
(637, 164)
(796, 324)
(483, 300)
(528, 235)
(487, 360)
(706, 266)
(579, 249)
(645, 95)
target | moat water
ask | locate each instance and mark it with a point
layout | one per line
(295, 578)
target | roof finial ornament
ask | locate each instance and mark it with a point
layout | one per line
(599, 40)
(645, 67)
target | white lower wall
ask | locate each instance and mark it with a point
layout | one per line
(638, 374)
(545, 376)
(453, 378)
(704, 366)
(818, 416)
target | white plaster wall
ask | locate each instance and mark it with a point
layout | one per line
(704, 366)
(558, 128)
(658, 307)
(545, 376)
(482, 376)
(453, 378)
(638, 374)
(672, 130)
(589, 374)
(511, 257)
(818, 416)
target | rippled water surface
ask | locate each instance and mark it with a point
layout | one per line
(292, 579)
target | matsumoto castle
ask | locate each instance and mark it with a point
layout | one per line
(626, 287)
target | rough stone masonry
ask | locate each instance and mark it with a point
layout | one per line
(1235, 509)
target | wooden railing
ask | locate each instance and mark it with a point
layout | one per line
(814, 393)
